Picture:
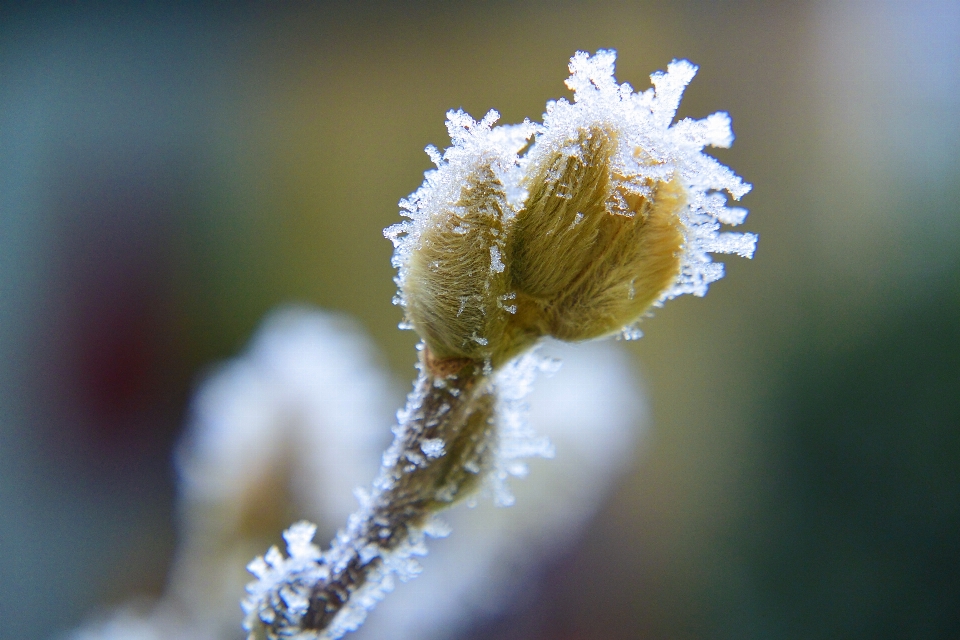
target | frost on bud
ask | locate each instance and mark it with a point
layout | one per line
(450, 256)
(457, 273)
(588, 255)
(612, 209)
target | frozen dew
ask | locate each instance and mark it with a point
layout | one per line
(496, 263)
(432, 447)
(437, 527)
(299, 539)
(632, 332)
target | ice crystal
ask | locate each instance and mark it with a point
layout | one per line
(433, 447)
(517, 440)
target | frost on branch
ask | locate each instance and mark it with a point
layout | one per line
(593, 413)
(328, 594)
(591, 409)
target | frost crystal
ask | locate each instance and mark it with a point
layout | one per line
(433, 447)
(283, 584)
(517, 440)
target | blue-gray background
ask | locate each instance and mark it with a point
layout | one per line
(170, 173)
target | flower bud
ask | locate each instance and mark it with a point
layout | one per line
(453, 279)
(457, 273)
(611, 210)
(588, 255)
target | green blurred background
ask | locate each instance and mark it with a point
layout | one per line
(170, 173)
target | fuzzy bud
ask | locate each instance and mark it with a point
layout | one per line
(588, 255)
(613, 209)
(457, 273)
(453, 279)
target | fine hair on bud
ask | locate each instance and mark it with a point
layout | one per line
(588, 254)
(457, 272)
(611, 209)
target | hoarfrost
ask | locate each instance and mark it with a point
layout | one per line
(632, 332)
(517, 439)
(496, 263)
(433, 447)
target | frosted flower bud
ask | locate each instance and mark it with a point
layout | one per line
(452, 276)
(613, 209)
(457, 273)
(589, 253)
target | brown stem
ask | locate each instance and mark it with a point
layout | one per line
(452, 404)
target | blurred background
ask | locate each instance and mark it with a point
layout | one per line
(170, 173)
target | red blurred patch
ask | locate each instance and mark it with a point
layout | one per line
(118, 345)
